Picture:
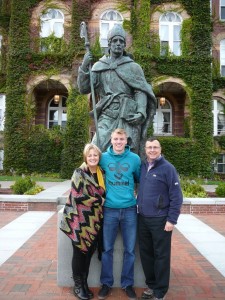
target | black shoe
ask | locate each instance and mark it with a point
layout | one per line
(130, 292)
(104, 291)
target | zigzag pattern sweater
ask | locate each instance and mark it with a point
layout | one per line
(82, 215)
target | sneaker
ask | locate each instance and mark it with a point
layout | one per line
(155, 298)
(147, 294)
(104, 291)
(130, 292)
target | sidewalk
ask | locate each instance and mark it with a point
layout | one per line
(31, 273)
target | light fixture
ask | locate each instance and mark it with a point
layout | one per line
(162, 101)
(56, 99)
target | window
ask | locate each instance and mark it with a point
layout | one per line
(107, 21)
(51, 26)
(169, 33)
(57, 113)
(1, 159)
(222, 10)
(0, 51)
(52, 23)
(2, 112)
(222, 57)
(218, 117)
(219, 164)
(162, 122)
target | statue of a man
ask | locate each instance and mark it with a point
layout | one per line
(126, 100)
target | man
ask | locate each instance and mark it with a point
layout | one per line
(159, 203)
(126, 100)
(122, 168)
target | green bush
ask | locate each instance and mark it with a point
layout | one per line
(34, 190)
(22, 185)
(220, 189)
(191, 189)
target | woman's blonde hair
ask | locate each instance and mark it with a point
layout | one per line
(88, 148)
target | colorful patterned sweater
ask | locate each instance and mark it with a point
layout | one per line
(82, 215)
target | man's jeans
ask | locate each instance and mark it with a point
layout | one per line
(126, 220)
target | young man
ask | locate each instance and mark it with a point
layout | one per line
(122, 168)
(159, 203)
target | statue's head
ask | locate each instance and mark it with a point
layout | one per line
(117, 30)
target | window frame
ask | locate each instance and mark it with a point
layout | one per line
(159, 113)
(222, 7)
(58, 107)
(222, 57)
(52, 22)
(170, 25)
(216, 112)
(111, 23)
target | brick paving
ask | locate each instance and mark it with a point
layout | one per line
(31, 273)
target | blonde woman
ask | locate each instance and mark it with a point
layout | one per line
(82, 217)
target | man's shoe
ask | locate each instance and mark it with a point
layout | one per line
(104, 291)
(155, 298)
(130, 292)
(147, 294)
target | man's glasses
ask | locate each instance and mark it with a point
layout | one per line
(152, 147)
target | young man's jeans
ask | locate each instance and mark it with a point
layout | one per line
(126, 220)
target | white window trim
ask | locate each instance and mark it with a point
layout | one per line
(111, 23)
(52, 21)
(170, 30)
(159, 112)
(216, 112)
(221, 9)
(60, 110)
(2, 108)
(222, 55)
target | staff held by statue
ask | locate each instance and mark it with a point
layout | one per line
(83, 34)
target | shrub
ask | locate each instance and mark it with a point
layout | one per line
(34, 190)
(220, 189)
(191, 189)
(22, 185)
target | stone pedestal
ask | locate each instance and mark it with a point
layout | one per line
(64, 274)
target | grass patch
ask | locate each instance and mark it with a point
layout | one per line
(35, 177)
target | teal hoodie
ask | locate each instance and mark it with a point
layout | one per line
(121, 173)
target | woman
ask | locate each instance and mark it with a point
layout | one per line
(82, 217)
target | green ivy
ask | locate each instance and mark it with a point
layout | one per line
(190, 155)
(76, 134)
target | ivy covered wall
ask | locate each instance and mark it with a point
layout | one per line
(193, 67)
(21, 135)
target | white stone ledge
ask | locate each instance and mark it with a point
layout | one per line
(204, 201)
(27, 199)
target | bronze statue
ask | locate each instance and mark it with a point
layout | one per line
(126, 100)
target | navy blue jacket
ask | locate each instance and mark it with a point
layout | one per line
(159, 192)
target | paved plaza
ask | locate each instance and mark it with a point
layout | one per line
(28, 258)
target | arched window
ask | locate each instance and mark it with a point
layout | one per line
(162, 122)
(57, 113)
(218, 117)
(222, 57)
(52, 23)
(169, 33)
(52, 30)
(108, 19)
